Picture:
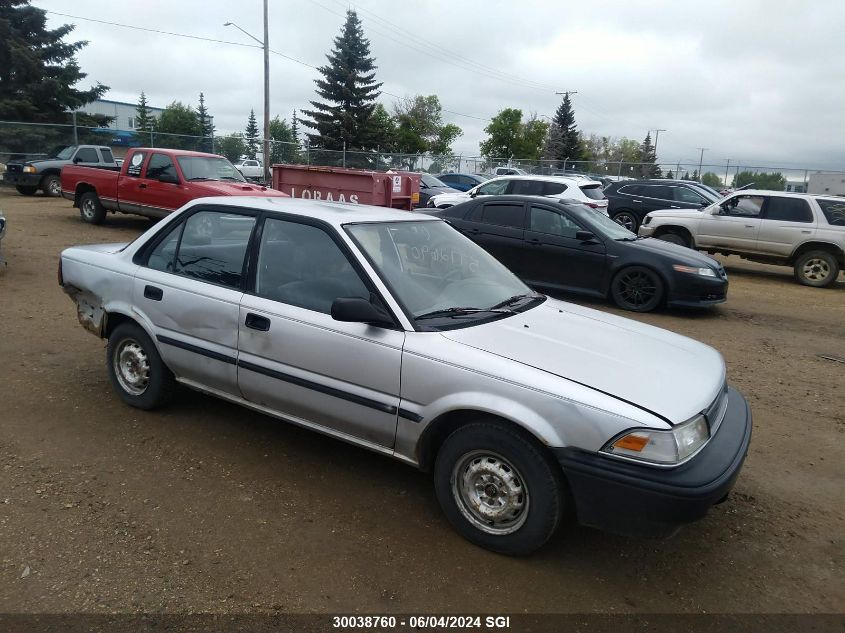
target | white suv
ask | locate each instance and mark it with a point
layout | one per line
(578, 188)
(803, 231)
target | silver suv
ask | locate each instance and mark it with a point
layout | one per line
(803, 231)
(394, 332)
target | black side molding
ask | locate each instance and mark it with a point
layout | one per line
(196, 349)
(410, 415)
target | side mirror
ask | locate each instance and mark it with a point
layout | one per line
(473, 193)
(358, 310)
(586, 236)
(76, 160)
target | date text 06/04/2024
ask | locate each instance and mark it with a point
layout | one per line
(421, 622)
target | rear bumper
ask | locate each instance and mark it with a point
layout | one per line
(635, 500)
(20, 179)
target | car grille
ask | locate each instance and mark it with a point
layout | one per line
(14, 168)
(715, 413)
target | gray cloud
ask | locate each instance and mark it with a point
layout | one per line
(758, 82)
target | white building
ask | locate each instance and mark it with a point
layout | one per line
(826, 183)
(124, 113)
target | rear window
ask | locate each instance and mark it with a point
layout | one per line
(834, 211)
(594, 192)
(107, 155)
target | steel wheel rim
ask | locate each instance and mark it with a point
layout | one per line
(88, 208)
(131, 367)
(816, 269)
(637, 288)
(626, 220)
(55, 187)
(490, 492)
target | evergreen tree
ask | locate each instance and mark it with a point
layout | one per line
(251, 136)
(670, 175)
(686, 176)
(206, 126)
(694, 175)
(144, 120)
(38, 69)
(570, 141)
(648, 168)
(348, 91)
(294, 128)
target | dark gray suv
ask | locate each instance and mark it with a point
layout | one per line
(630, 200)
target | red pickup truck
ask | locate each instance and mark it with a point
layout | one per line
(154, 182)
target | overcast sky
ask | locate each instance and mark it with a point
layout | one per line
(760, 82)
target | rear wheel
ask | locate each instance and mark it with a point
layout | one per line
(26, 191)
(637, 288)
(136, 369)
(498, 488)
(52, 186)
(626, 219)
(817, 268)
(91, 209)
(675, 238)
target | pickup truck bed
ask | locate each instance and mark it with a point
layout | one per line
(154, 182)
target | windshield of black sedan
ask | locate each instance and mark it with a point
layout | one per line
(432, 267)
(208, 168)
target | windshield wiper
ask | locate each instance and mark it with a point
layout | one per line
(516, 299)
(455, 311)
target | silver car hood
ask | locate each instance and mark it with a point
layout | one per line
(665, 373)
(677, 213)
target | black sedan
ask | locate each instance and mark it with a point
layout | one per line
(567, 246)
(431, 186)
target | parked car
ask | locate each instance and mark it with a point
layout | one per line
(509, 171)
(250, 169)
(566, 246)
(571, 188)
(462, 182)
(30, 176)
(631, 200)
(803, 231)
(431, 186)
(2, 234)
(154, 182)
(393, 331)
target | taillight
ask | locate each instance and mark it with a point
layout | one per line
(592, 205)
(61, 277)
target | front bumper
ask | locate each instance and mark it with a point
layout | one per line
(695, 291)
(634, 500)
(646, 231)
(20, 179)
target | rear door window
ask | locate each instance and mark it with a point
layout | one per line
(527, 187)
(659, 192)
(834, 211)
(788, 210)
(504, 214)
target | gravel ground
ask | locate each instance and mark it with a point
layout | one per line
(207, 507)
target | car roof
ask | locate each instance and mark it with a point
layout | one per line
(550, 200)
(769, 192)
(176, 152)
(336, 213)
(566, 179)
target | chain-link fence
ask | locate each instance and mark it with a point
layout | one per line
(26, 141)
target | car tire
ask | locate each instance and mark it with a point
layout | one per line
(498, 488)
(817, 268)
(91, 210)
(637, 288)
(51, 186)
(136, 369)
(26, 191)
(673, 237)
(627, 219)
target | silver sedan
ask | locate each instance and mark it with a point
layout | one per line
(394, 332)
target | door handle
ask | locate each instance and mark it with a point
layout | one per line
(154, 293)
(256, 322)
(806, 231)
(749, 226)
(143, 185)
(674, 206)
(473, 231)
(535, 242)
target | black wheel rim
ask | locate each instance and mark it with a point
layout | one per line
(626, 220)
(637, 288)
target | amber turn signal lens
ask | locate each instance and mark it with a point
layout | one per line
(631, 442)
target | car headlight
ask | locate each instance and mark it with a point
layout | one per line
(28, 169)
(647, 220)
(661, 447)
(704, 272)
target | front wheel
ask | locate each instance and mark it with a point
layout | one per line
(52, 186)
(498, 488)
(26, 191)
(675, 238)
(136, 369)
(637, 288)
(626, 219)
(91, 210)
(817, 268)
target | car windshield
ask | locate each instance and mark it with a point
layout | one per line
(66, 152)
(208, 168)
(710, 194)
(603, 225)
(431, 181)
(434, 271)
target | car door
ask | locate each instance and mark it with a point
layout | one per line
(786, 223)
(498, 226)
(188, 291)
(162, 189)
(295, 359)
(733, 224)
(129, 183)
(553, 257)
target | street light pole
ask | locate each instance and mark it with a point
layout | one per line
(701, 160)
(266, 46)
(727, 167)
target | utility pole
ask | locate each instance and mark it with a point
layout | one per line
(727, 167)
(657, 136)
(701, 160)
(567, 92)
